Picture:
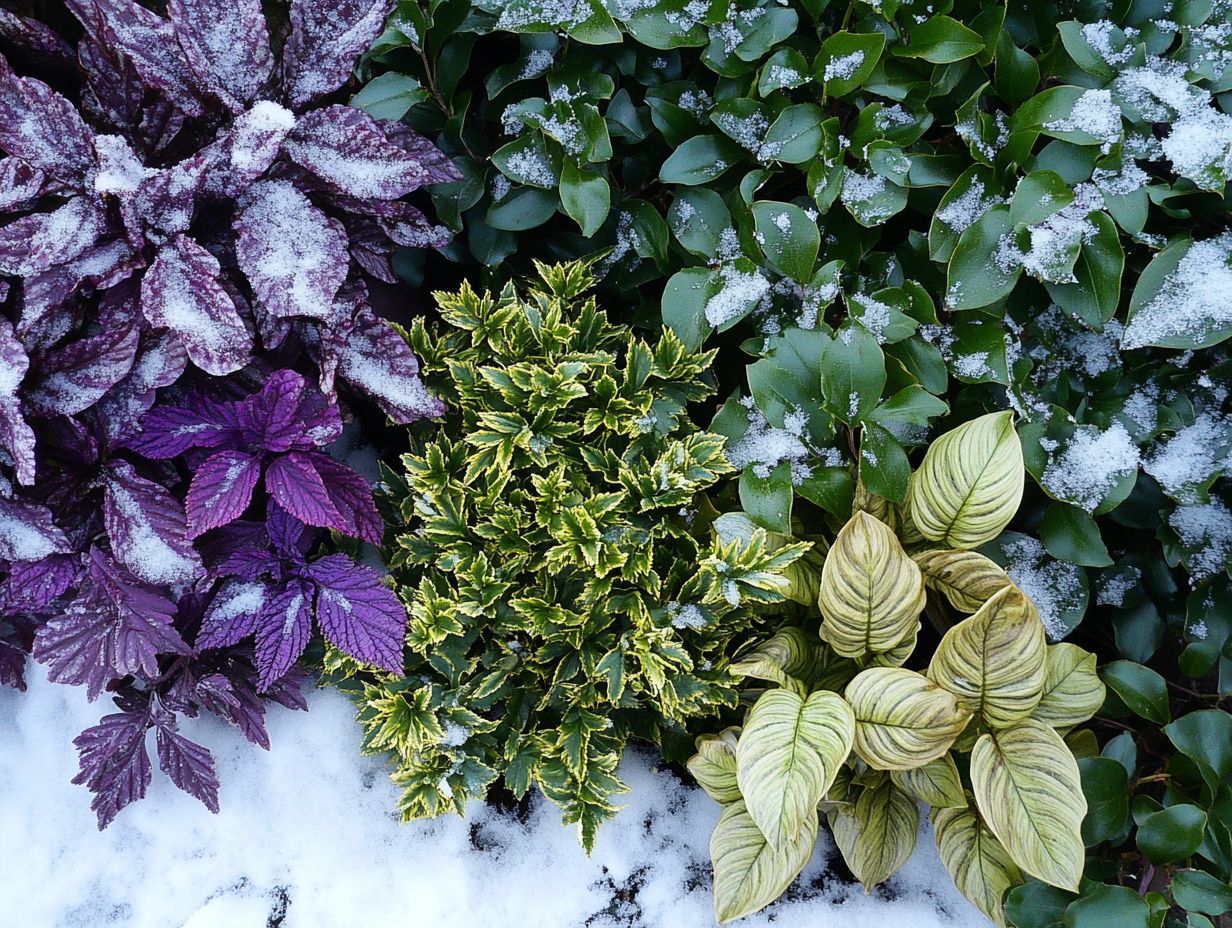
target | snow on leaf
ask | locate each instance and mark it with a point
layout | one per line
(32, 585)
(436, 163)
(221, 490)
(164, 204)
(233, 613)
(188, 764)
(104, 264)
(297, 487)
(148, 529)
(73, 378)
(358, 613)
(283, 630)
(16, 436)
(326, 38)
(294, 256)
(27, 532)
(113, 763)
(20, 184)
(377, 360)
(42, 128)
(254, 142)
(182, 292)
(346, 148)
(169, 431)
(226, 44)
(287, 414)
(116, 626)
(34, 243)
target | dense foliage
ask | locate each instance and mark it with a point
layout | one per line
(185, 223)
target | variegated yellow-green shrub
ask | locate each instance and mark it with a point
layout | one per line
(849, 732)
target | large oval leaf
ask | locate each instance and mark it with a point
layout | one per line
(790, 655)
(1028, 790)
(936, 783)
(903, 720)
(980, 866)
(970, 483)
(993, 661)
(966, 578)
(787, 757)
(748, 872)
(871, 591)
(1073, 691)
(714, 765)
(877, 835)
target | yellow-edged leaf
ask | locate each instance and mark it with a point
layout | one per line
(970, 483)
(1029, 793)
(877, 835)
(993, 661)
(714, 765)
(871, 591)
(903, 719)
(966, 578)
(979, 865)
(1073, 691)
(897, 655)
(787, 757)
(936, 783)
(749, 873)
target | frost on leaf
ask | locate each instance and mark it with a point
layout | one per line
(226, 45)
(27, 532)
(39, 241)
(182, 291)
(16, 436)
(283, 630)
(73, 378)
(149, 533)
(326, 38)
(357, 613)
(42, 128)
(113, 763)
(221, 490)
(20, 184)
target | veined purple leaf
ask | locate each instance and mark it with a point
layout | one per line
(116, 627)
(374, 252)
(326, 38)
(33, 585)
(440, 169)
(148, 529)
(226, 44)
(169, 431)
(253, 143)
(16, 436)
(160, 362)
(188, 764)
(20, 184)
(27, 532)
(358, 613)
(164, 204)
(181, 292)
(240, 549)
(346, 148)
(75, 377)
(12, 665)
(294, 256)
(39, 241)
(35, 37)
(248, 713)
(148, 42)
(221, 490)
(413, 230)
(233, 613)
(287, 690)
(352, 498)
(42, 128)
(114, 764)
(297, 487)
(216, 692)
(288, 414)
(290, 537)
(377, 360)
(44, 320)
(283, 631)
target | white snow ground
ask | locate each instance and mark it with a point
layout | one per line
(306, 834)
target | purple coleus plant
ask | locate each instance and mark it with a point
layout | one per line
(188, 232)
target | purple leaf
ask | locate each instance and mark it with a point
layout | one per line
(283, 631)
(36, 38)
(287, 689)
(440, 168)
(216, 693)
(188, 764)
(241, 549)
(346, 148)
(377, 360)
(169, 431)
(287, 414)
(34, 585)
(164, 204)
(115, 627)
(148, 530)
(326, 38)
(27, 532)
(297, 487)
(112, 93)
(252, 145)
(294, 256)
(249, 713)
(12, 665)
(46, 318)
(233, 613)
(118, 170)
(226, 44)
(42, 128)
(114, 764)
(39, 241)
(352, 498)
(20, 184)
(289, 535)
(221, 490)
(75, 377)
(16, 436)
(181, 292)
(358, 613)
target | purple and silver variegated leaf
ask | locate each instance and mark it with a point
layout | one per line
(12, 664)
(20, 184)
(221, 490)
(358, 613)
(14, 362)
(148, 42)
(233, 613)
(352, 498)
(188, 764)
(372, 250)
(42, 128)
(49, 308)
(16, 436)
(346, 148)
(35, 38)
(27, 532)
(294, 256)
(160, 362)
(181, 292)
(288, 414)
(114, 764)
(378, 361)
(112, 92)
(115, 627)
(117, 170)
(34, 585)
(437, 165)
(164, 204)
(39, 241)
(250, 147)
(413, 230)
(226, 44)
(73, 378)
(283, 630)
(148, 529)
(327, 37)
(294, 483)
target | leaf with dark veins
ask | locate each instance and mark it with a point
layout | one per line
(20, 184)
(378, 361)
(358, 613)
(226, 44)
(221, 490)
(148, 529)
(27, 532)
(233, 613)
(283, 631)
(326, 38)
(16, 436)
(294, 483)
(188, 764)
(113, 762)
(352, 498)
